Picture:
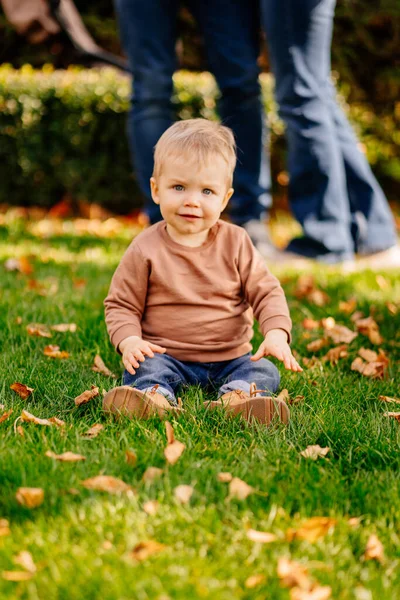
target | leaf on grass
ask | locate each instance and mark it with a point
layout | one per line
(38, 329)
(30, 497)
(312, 529)
(65, 456)
(28, 417)
(152, 473)
(4, 527)
(151, 507)
(354, 521)
(239, 489)
(374, 549)
(93, 431)
(334, 354)
(310, 324)
(369, 327)
(375, 369)
(368, 355)
(183, 493)
(224, 477)
(24, 559)
(143, 550)
(87, 396)
(296, 400)
(317, 344)
(389, 399)
(262, 537)
(22, 390)
(21, 264)
(20, 431)
(16, 575)
(317, 593)
(393, 415)
(293, 574)
(57, 422)
(55, 352)
(306, 288)
(174, 448)
(130, 457)
(64, 327)
(283, 395)
(348, 306)
(254, 580)
(100, 367)
(5, 415)
(392, 308)
(106, 483)
(314, 452)
(340, 334)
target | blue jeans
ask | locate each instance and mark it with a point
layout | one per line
(225, 376)
(332, 190)
(230, 29)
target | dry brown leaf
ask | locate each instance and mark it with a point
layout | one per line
(392, 308)
(368, 355)
(30, 497)
(389, 399)
(317, 593)
(318, 297)
(310, 324)
(65, 456)
(22, 390)
(262, 537)
(224, 477)
(174, 449)
(293, 574)
(5, 415)
(334, 354)
(254, 580)
(57, 422)
(16, 575)
(28, 417)
(64, 327)
(4, 527)
(283, 395)
(38, 329)
(86, 396)
(55, 352)
(354, 521)
(348, 306)
(24, 559)
(239, 489)
(356, 316)
(393, 415)
(183, 493)
(312, 362)
(314, 452)
(106, 483)
(312, 529)
(151, 507)
(317, 345)
(93, 431)
(170, 432)
(152, 473)
(374, 549)
(375, 369)
(369, 327)
(328, 323)
(296, 400)
(100, 367)
(20, 431)
(382, 282)
(130, 457)
(143, 550)
(340, 334)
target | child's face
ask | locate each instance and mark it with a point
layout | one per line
(192, 196)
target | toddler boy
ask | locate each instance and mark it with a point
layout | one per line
(181, 302)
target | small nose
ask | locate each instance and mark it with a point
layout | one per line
(192, 199)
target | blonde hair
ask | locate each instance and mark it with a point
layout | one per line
(197, 138)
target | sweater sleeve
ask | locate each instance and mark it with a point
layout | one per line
(126, 298)
(262, 290)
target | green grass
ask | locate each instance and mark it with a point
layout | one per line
(207, 553)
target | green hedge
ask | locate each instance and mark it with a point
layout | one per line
(63, 132)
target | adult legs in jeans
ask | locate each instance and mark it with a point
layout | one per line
(231, 36)
(332, 190)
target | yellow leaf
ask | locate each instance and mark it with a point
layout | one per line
(254, 580)
(4, 528)
(30, 497)
(314, 452)
(55, 352)
(64, 327)
(293, 574)
(183, 493)
(143, 550)
(173, 451)
(106, 483)
(130, 457)
(152, 473)
(312, 529)
(86, 396)
(388, 399)
(16, 575)
(393, 415)
(239, 489)
(374, 549)
(22, 390)
(317, 593)
(24, 559)
(26, 416)
(38, 329)
(224, 477)
(66, 456)
(262, 537)
(170, 432)
(151, 507)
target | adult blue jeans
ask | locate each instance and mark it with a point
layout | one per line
(230, 29)
(225, 376)
(332, 190)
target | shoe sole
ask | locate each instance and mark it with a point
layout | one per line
(261, 408)
(130, 402)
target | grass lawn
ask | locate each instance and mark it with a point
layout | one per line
(81, 541)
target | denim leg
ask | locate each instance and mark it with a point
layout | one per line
(299, 39)
(231, 34)
(241, 372)
(148, 33)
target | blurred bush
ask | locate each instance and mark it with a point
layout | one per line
(63, 133)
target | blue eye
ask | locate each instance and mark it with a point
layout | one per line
(207, 192)
(179, 188)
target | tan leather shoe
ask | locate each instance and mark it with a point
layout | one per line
(253, 406)
(128, 401)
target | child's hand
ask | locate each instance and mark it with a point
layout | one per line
(275, 344)
(133, 349)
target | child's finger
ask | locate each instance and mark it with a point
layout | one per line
(133, 360)
(128, 367)
(157, 348)
(148, 351)
(259, 354)
(295, 365)
(138, 355)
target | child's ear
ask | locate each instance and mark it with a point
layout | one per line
(228, 196)
(154, 190)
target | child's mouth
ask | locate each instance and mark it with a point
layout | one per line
(189, 217)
